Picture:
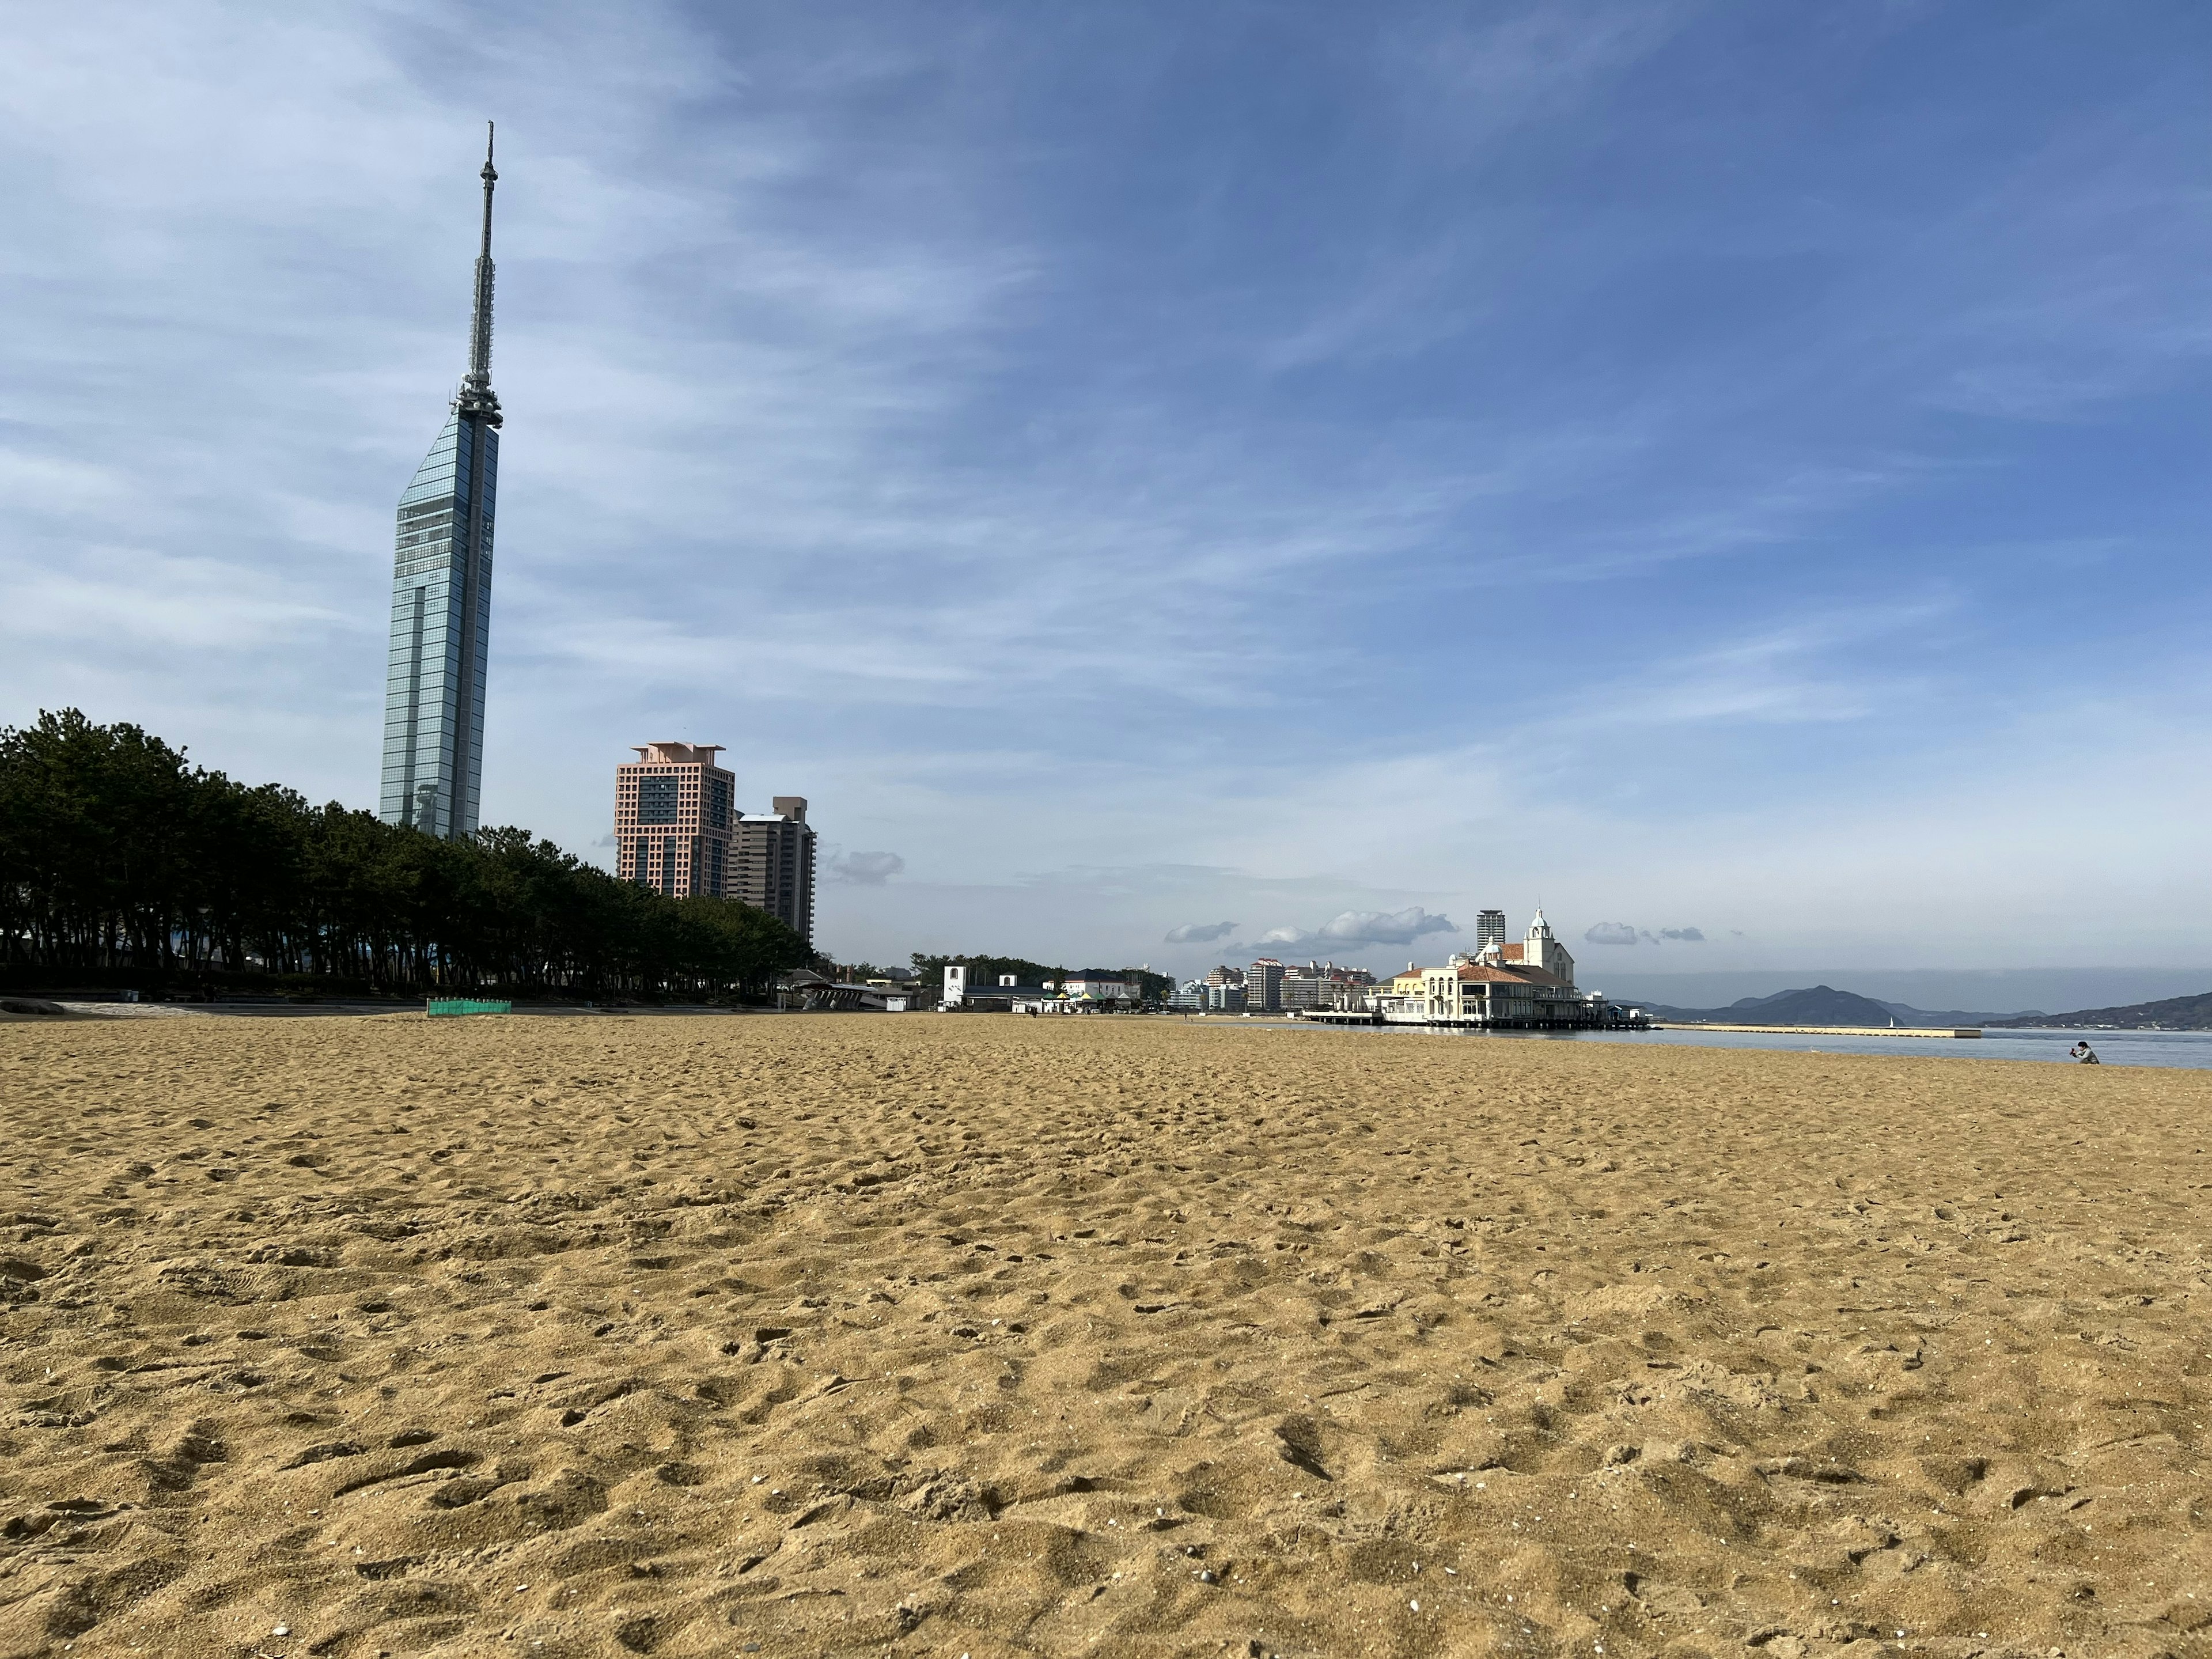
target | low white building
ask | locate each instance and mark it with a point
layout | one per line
(1465, 992)
(1099, 987)
(1528, 984)
(1009, 995)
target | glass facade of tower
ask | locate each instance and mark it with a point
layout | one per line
(434, 703)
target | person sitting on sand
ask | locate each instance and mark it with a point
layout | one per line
(2082, 1052)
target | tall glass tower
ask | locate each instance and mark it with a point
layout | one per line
(434, 694)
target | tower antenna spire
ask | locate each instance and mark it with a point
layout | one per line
(476, 396)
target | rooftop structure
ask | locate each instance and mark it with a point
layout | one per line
(1540, 949)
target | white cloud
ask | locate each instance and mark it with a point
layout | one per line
(1194, 933)
(1357, 927)
(865, 869)
(1610, 933)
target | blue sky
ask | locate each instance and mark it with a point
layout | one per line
(1722, 469)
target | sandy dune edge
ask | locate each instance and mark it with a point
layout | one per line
(935, 1335)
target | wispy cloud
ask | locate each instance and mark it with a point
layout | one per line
(1471, 75)
(1619, 932)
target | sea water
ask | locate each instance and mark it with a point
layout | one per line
(2188, 1050)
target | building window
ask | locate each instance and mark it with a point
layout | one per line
(656, 800)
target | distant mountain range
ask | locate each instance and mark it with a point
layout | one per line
(1823, 1005)
(2174, 1014)
(1908, 1015)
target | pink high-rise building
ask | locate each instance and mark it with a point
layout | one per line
(675, 811)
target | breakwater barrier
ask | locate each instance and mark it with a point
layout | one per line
(1823, 1031)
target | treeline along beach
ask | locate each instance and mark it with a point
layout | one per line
(120, 863)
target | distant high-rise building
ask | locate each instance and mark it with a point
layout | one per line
(773, 864)
(433, 688)
(1224, 989)
(1489, 930)
(1317, 985)
(675, 816)
(1263, 985)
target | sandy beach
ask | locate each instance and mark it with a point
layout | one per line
(986, 1336)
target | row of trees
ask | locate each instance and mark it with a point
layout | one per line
(120, 861)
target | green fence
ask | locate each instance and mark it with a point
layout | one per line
(445, 1006)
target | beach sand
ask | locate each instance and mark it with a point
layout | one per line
(989, 1335)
